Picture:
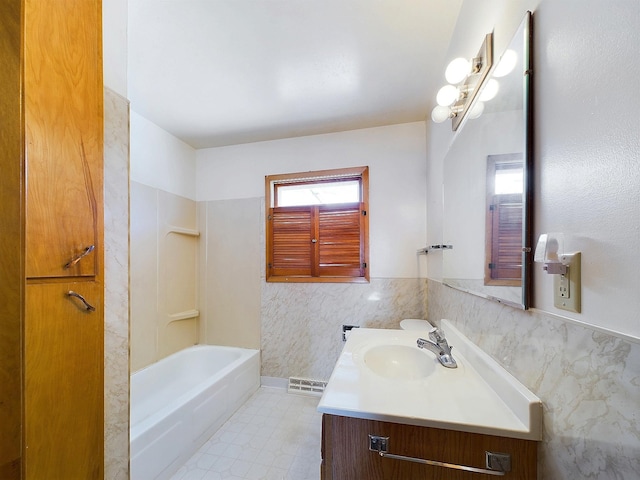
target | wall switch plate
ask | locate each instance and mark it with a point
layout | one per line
(567, 286)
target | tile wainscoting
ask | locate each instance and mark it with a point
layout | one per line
(302, 322)
(588, 381)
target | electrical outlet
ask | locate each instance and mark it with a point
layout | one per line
(567, 286)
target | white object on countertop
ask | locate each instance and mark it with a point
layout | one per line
(415, 324)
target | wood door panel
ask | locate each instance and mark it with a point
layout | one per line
(11, 241)
(63, 102)
(63, 391)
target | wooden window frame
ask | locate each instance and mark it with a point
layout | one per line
(348, 221)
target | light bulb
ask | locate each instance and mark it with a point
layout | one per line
(476, 110)
(439, 114)
(457, 70)
(507, 64)
(490, 90)
(447, 95)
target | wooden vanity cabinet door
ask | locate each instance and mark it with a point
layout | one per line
(63, 390)
(346, 454)
(63, 108)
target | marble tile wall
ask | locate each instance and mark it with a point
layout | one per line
(116, 272)
(588, 381)
(302, 322)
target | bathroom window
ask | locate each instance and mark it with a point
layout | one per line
(503, 253)
(317, 226)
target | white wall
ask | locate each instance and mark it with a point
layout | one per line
(587, 185)
(298, 326)
(588, 153)
(114, 45)
(160, 160)
(397, 189)
(586, 145)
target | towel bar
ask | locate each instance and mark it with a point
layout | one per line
(503, 462)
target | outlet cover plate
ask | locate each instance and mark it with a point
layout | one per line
(566, 287)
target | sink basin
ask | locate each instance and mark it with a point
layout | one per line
(382, 375)
(399, 362)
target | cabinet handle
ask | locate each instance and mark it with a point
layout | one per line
(88, 306)
(380, 444)
(435, 463)
(75, 260)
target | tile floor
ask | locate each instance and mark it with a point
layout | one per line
(273, 436)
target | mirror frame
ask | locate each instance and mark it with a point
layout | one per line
(527, 196)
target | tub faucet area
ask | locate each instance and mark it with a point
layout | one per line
(438, 344)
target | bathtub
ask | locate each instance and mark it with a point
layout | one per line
(180, 401)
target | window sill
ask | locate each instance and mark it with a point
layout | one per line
(294, 279)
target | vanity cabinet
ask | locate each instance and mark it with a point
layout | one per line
(346, 454)
(51, 158)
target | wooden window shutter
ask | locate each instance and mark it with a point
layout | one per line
(505, 266)
(289, 231)
(340, 242)
(316, 241)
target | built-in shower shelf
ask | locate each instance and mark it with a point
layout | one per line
(182, 231)
(186, 315)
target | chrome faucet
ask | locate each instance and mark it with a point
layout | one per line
(438, 344)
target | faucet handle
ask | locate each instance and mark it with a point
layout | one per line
(437, 335)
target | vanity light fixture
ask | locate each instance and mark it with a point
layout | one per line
(506, 64)
(465, 78)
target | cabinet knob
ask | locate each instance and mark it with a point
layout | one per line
(87, 305)
(75, 260)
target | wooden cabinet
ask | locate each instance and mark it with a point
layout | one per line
(346, 454)
(63, 98)
(11, 241)
(63, 391)
(51, 158)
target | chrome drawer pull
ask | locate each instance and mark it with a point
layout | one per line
(89, 307)
(435, 463)
(380, 444)
(86, 252)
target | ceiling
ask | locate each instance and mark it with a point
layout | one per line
(223, 72)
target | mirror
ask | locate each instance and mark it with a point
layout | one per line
(487, 186)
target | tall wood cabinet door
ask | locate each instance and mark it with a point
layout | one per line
(63, 100)
(11, 244)
(63, 391)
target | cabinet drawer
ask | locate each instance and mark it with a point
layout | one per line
(346, 454)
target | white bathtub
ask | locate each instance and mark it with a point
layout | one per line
(180, 401)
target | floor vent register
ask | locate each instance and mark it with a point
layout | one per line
(306, 386)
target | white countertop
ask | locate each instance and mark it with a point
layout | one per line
(479, 396)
